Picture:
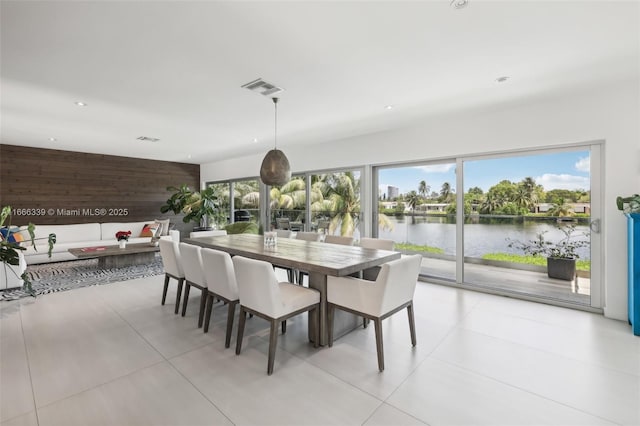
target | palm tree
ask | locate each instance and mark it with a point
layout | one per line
(445, 192)
(343, 194)
(561, 209)
(423, 189)
(491, 203)
(291, 195)
(412, 200)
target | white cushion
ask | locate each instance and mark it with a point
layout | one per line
(260, 290)
(192, 264)
(109, 229)
(171, 259)
(394, 287)
(219, 273)
(213, 233)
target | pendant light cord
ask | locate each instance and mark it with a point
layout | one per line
(275, 137)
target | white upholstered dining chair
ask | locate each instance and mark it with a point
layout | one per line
(221, 284)
(194, 277)
(172, 264)
(306, 236)
(376, 300)
(263, 296)
(338, 239)
(203, 234)
(376, 243)
(286, 233)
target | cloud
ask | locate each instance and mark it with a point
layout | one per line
(583, 164)
(437, 168)
(564, 181)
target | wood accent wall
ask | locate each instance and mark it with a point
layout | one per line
(63, 187)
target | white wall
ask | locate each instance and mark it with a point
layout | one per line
(610, 114)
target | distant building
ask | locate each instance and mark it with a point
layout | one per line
(392, 192)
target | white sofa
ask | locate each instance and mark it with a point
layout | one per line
(80, 235)
(10, 274)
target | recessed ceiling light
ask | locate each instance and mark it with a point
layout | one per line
(81, 103)
(389, 106)
(189, 156)
(459, 4)
(255, 140)
(53, 139)
(502, 79)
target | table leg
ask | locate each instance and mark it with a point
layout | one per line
(319, 282)
(343, 322)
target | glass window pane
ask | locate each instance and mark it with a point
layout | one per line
(517, 209)
(416, 209)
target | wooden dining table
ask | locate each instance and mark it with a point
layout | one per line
(318, 259)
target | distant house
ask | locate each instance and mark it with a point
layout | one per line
(576, 207)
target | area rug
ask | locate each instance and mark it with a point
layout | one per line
(61, 276)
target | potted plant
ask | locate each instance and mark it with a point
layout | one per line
(10, 248)
(629, 204)
(123, 237)
(197, 206)
(561, 255)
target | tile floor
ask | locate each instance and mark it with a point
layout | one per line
(112, 355)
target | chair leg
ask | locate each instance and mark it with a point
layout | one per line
(243, 319)
(203, 302)
(283, 325)
(331, 309)
(180, 283)
(273, 341)
(166, 287)
(231, 312)
(316, 332)
(365, 322)
(290, 276)
(187, 288)
(378, 327)
(207, 314)
(412, 324)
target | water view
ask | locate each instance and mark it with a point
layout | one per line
(481, 236)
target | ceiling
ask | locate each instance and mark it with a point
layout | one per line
(173, 70)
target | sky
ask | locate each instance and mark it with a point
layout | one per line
(565, 170)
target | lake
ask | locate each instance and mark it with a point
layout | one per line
(481, 235)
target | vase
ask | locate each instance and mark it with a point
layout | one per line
(122, 244)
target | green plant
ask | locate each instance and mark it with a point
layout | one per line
(194, 204)
(566, 248)
(629, 204)
(9, 251)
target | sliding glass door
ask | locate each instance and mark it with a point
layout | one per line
(517, 210)
(416, 209)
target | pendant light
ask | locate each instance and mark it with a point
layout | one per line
(275, 168)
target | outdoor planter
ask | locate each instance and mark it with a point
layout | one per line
(561, 269)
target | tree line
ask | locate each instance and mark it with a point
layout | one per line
(504, 198)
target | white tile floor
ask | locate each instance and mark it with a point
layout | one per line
(112, 355)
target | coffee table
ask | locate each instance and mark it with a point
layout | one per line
(116, 257)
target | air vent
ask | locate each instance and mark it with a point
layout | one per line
(262, 87)
(148, 139)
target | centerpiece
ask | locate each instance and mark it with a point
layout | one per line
(123, 237)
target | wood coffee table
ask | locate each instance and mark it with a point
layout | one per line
(116, 257)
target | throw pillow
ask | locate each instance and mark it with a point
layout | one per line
(149, 229)
(12, 235)
(165, 226)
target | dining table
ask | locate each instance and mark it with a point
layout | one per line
(318, 259)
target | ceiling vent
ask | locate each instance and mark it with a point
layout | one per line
(262, 87)
(148, 139)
